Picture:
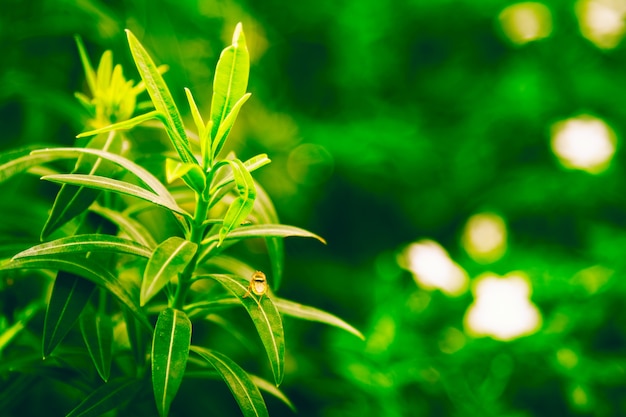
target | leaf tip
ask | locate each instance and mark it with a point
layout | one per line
(238, 33)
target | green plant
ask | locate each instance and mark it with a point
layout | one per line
(141, 254)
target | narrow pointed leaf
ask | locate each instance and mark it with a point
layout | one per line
(230, 81)
(264, 230)
(70, 294)
(244, 390)
(251, 165)
(72, 201)
(170, 351)
(107, 398)
(161, 97)
(313, 314)
(167, 261)
(97, 331)
(123, 125)
(120, 187)
(86, 243)
(146, 177)
(265, 317)
(176, 169)
(272, 389)
(266, 214)
(227, 125)
(18, 161)
(91, 270)
(90, 74)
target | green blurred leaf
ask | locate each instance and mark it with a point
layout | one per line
(19, 160)
(107, 398)
(271, 389)
(170, 350)
(70, 294)
(168, 260)
(86, 243)
(265, 317)
(313, 314)
(244, 390)
(229, 86)
(121, 187)
(90, 74)
(91, 270)
(97, 331)
(137, 337)
(135, 230)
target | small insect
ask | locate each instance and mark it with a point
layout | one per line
(258, 285)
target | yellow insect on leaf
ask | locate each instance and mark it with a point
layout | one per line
(258, 285)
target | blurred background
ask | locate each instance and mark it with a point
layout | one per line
(462, 159)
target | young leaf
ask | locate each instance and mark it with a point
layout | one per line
(19, 160)
(170, 350)
(229, 84)
(161, 97)
(251, 165)
(86, 243)
(227, 125)
(204, 131)
(90, 74)
(265, 317)
(70, 294)
(243, 204)
(176, 169)
(244, 390)
(107, 398)
(120, 187)
(123, 125)
(72, 201)
(313, 314)
(90, 270)
(97, 330)
(167, 261)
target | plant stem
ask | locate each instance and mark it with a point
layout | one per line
(197, 232)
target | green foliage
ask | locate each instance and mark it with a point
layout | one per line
(138, 294)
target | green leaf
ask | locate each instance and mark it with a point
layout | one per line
(72, 201)
(97, 331)
(123, 125)
(229, 84)
(120, 187)
(70, 294)
(86, 243)
(19, 160)
(313, 314)
(264, 230)
(227, 125)
(161, 98)
(176, 169)
(251, 165)
(265, 317)
(167, 261)
(170, 350)
(146, 177)
(137, 338)
(135, 230)
(241, 207)
(266, 214)
(107, 398)
(90, 74)
(10, 333)
(271, 389)
(91, 270)
(204, 131)
(244, 390)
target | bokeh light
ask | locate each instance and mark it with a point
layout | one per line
(485, 237)
(602, 21)
(525, 22)
(502, 308)
(432, 268)
(584, 142)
